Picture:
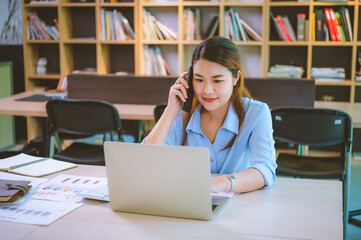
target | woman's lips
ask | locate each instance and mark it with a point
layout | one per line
(210, 99)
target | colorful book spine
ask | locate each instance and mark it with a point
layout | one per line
(283, 27)
(301, 17)
(334, 24)
(330, 25)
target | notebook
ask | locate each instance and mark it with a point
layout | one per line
(33, 166)
(172, 181)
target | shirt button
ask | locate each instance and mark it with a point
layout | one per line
(211, 159)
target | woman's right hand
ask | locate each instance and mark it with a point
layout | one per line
(178, 94)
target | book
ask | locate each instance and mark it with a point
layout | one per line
(252, 33)
(289, 27)
(283, 27)
(330, 25)
(280, 32)
(234, 25)
(27, 165)
(343, 22)
(212, 28)
(243, 34)
(340, 27)
(334, 23)
(319, 25)
(301, 17)
(348, 21)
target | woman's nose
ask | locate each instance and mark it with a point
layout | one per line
(208, 88)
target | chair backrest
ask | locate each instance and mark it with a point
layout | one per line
(82, 117)
(158, 111)
(312, 126)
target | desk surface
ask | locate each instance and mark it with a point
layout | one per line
(290, 209)
(8, 106)
(353, 109)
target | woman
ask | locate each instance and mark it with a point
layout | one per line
(237, 130)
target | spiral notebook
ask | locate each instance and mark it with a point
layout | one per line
(33, 166)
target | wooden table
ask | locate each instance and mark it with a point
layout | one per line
(353, 109)
(30, 109)
(290, 209)
(9, 106)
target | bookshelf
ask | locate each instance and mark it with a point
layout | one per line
(311, 53)
(81, 46)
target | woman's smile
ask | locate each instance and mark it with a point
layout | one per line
(209, 99)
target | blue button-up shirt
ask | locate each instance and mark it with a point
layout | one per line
(253, 148)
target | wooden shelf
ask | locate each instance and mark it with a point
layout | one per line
(283, 43)
(288, 4)
(160, 4)
(45, 76)
(42, 41)
(126, 42)
(120, 4)
(333, 44)
(201, 4)
(160, 42)
(243, 4)
(79, 41)
(77, 4)
(338, 83)
(107, 56)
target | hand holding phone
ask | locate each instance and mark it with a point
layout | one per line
(187, 105)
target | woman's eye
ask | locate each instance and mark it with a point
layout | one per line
(218, 81)
(199, 80)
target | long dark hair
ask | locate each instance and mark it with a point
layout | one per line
(224, 52)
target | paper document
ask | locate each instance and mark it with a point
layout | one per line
(77, 182)
(223, 194)
(57, 194)
(36, 211)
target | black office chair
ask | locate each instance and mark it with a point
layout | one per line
(315, 127)
(74, 119)
(158, 111)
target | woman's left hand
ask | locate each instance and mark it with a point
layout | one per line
(220, 184)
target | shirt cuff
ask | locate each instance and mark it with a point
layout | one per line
(268, 175)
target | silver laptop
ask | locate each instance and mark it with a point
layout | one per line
(161, 180)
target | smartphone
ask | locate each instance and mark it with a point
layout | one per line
(187, 105)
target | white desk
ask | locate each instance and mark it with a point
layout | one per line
(291, 209)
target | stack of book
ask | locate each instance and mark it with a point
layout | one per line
(332, 25)
(154, 62)
(115, 26)
(285, 71)
(285, 30)
(328, 74)
(37, 29)
(155, 30)
(236, 29)
(192, 24)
